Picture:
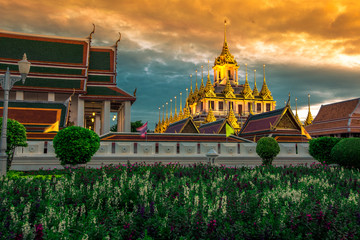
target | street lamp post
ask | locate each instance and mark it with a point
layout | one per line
(7, 82)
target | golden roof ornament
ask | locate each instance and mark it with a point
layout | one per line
(228, 90)
(209, 88)
(210, 117)
(171, 116)
(255, 90)
(190, 95)
(180, 112)
(167, 115)
(297, 116)
(163, 119)
(196, 91)
(225, 56)
(202, 88)
(309, 117)
(176, 118)
(232, 119)
(247, 92)
(265, 92)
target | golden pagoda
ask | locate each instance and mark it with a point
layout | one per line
(226, 95)
(210, 117)
(309, 117)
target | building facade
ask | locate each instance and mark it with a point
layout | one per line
(68, 70)
(224, 97)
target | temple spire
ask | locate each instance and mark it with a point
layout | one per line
(247, 92)
(255, 91)
(225, 41)
(202, 88)
(163, 119)
(296, 115)
(180, 112)
(265, 92)
(309, 117)
(210, 117)
(171, 116)
(175, 112)
(232, 119)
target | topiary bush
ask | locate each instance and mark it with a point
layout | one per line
(320, 148)
(75, 145)
(267, 148)
(347, 152)
(15, 137)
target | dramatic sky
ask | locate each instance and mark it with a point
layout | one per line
(309, 47)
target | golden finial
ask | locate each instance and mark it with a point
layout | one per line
(255, 91)
(191, 84)
(288, 102)
(265, 92)
(297, 116)
(175, 112)
(309, 117)
(171, 116)
(225, 31)
(167, 115)
(246, 76)
(196, 85)
(208, 67)
(163, 117)
(247, 92)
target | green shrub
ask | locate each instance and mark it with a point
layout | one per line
(16, 137)
(347, 152)
(75, 145)
(267, 148)
(320, 148)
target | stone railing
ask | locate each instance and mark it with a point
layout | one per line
(40, 154)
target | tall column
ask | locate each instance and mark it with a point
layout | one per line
(127, 113)
(120, 119)
(20, 95)
(51, 97)
(105, 116)
(80, 112)
(97, 124)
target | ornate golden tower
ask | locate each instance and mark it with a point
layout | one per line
(309, 117)
(210, 117)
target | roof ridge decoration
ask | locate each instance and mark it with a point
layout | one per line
(209, 88)
(265, 92)
(286, 122)
(232, 119)
(225, 56)
(247, 92)
(210, 117)
(255, 91)
(309, 117)
(202, 88)
(228, 90)
(92, 33)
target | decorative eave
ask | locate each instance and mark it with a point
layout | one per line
(106, 92)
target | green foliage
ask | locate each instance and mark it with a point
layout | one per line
(347, 152)
(177, 202)
(267, 148)
(16, 137)
(134, 126)
(320, 148)
(75, 145)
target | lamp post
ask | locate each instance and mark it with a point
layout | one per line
(7, 82)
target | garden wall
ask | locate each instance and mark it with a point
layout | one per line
(41, 154)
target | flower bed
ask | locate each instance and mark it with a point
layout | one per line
(176, 202)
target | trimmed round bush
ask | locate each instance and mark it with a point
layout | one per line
(267, 148)
(75, 145)
(347, 152)
(320, 148)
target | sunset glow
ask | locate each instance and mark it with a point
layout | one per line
(308, 46)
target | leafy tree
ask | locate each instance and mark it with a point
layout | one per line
(320, 148)
(16, 137)
(267, 148)
(347, 152)
(134, 126)
(75, 145)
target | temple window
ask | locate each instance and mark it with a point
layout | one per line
(258, 107)
(221, 106)
(240, 109)
(249, 106)
(268, 107)
(211, 105)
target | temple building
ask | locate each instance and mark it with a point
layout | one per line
(70, 82)
(340, 119)
(225, 97)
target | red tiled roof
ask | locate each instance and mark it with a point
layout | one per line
(337, 118)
